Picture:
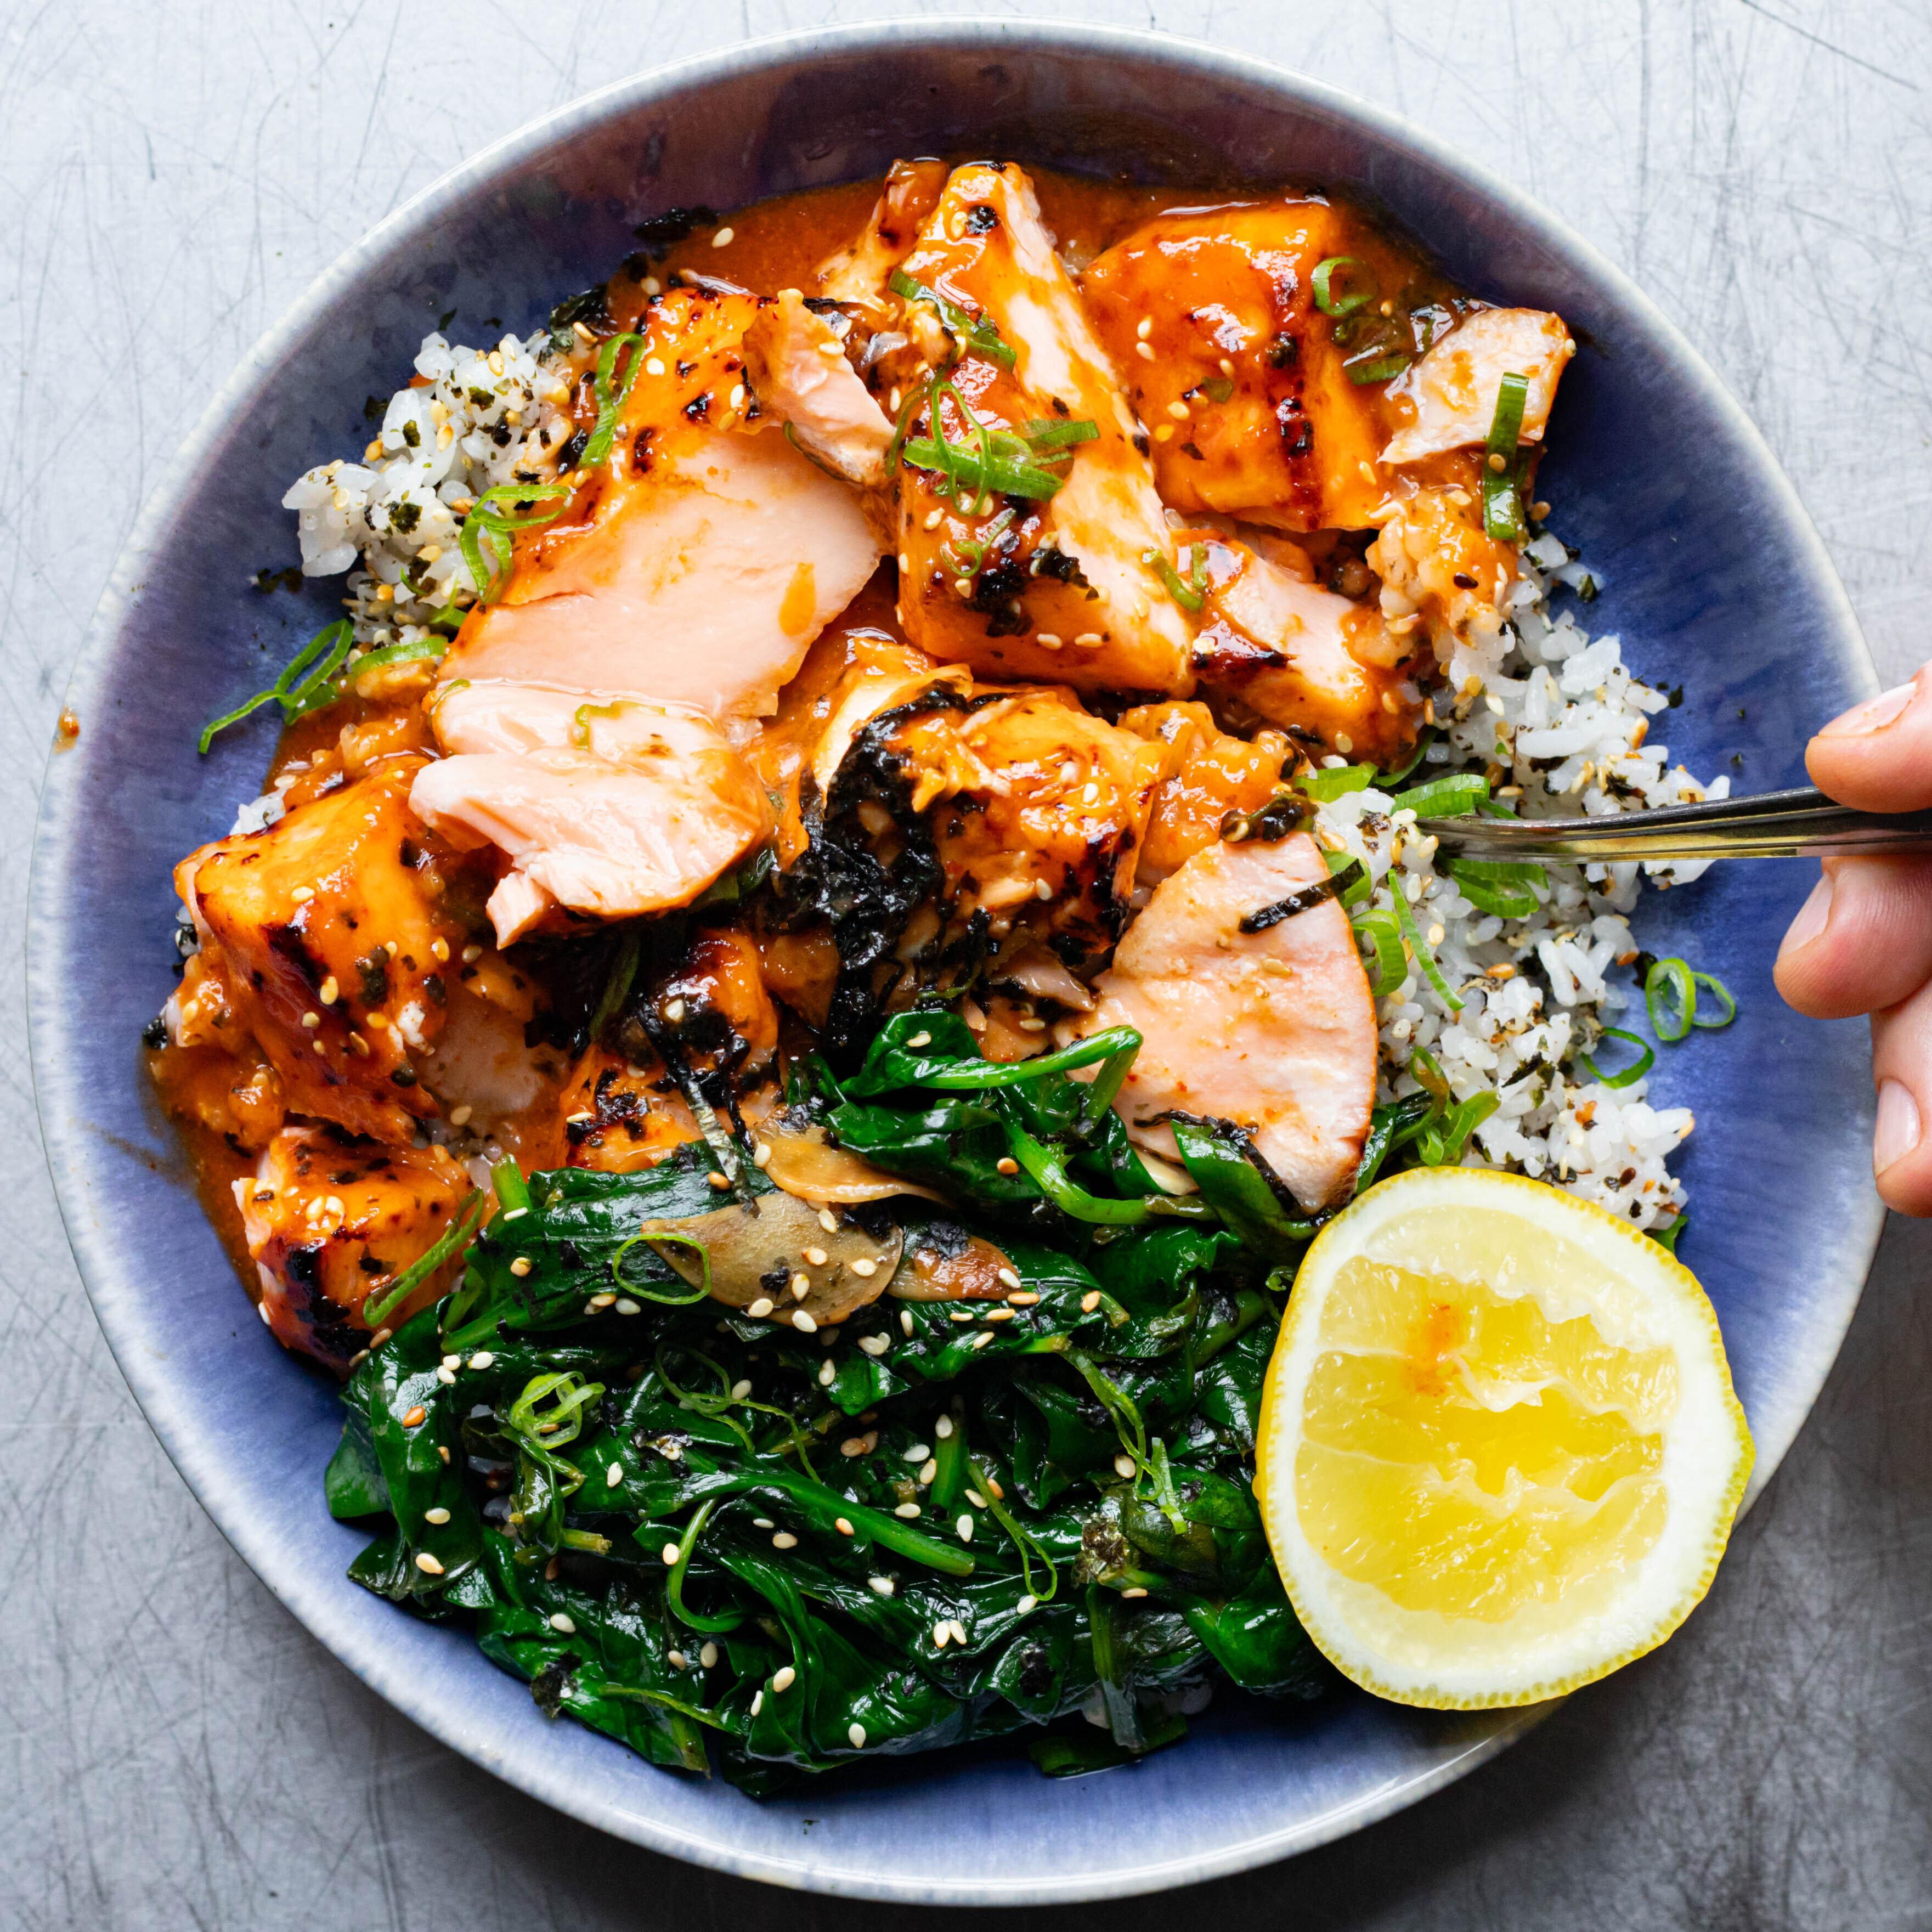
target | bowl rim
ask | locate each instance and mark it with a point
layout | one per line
(63, 1128)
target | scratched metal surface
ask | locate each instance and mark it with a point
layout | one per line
(177, 1751)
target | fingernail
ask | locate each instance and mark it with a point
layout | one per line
(1874, 715)
(1897, 1132)
(1813, 917)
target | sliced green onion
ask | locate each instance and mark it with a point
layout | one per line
(1374, 366)
(546, 1430)
(1424, 958)
(484, 537)
(611, 395)
(1423, 739)
(1667, 1237)
(1189, 592)
(1444, 797)
(674, 1583)
(1327, 300)
(512, 1190)
(1050, 432)
(1028, 1548)
(1442, 1143)
(978, 333)
(1335, 781)
(1670, 991)
(433, 648)
(1503, 887)
(1628, 1076)
(304, 686)
(655, 1240)
(377, 1309)
(1502, 498)
(1390, 966)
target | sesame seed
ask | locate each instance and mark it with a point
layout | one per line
(920, 1039)
(438, 1515)
(613, 1475)
(757, 1701)
(785, 1540)
(723, 238)
(973, 1497)
(875, 1345)
(414, 1416)
(907, 1509)
(312, 1020)
(673, 1012)
(1088, 639)
(761, 1154)
(1025, 1299)
(934, 518)
(1008, 1277)
(1006, 1164)
(965, 1527)
(928, 1471)
(1124, 1465)
(828, 1220)
(677, 1659)
(1136, 1591)
(438, 948)
(1145, 351)
(1090, 1301)
(905, 1322)
(721, 1182)
(708, 1657)
(865, 1269)
(737, 396)
(783, 1678)
(1026, 1604)
(329, 991)
(653, 366)
(670, 1553)
(459, 1116)
(828, 1372)
(856, 1732)
(998, 1315)
(741, 1388)
(801, 1286)
(962, 1315)
(471, 954)
(761, 1308)
(843, 1526)
(881, 1586)
(958, 1630)
(428, 1563)
(482, 1359)
(942, 1634)
(815, 1257)
(1145, 328)
(625, 1306)
(1165, 434)
(803, 1322)
(763, 1522)
(983, 1339)
(854, 1445)
(1178, 411)
(302, 895)
(447, 1377)
(943, 1428)
(521, 1266)
(918, 1452)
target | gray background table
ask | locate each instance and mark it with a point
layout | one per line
(178, 1751)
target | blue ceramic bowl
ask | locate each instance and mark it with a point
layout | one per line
(1713, 578)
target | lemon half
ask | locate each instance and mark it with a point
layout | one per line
(1500, 1454)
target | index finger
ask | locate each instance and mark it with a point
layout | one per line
(1877, 756)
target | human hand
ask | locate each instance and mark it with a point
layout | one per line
(1862, 942)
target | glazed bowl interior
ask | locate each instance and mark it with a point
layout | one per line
(1710, 574)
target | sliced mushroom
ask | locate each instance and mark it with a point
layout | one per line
(776, 1259)
(808, 1166)
(943, 1262)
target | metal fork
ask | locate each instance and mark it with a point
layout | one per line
(1774, 825)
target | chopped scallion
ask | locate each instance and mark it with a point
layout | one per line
(1327, 299)
(1670, 991)
(978, 332)
(1625, 1076)
(1047, 432)
(611, 390)
(485, 536)
(1424, 958)
(1502, 473)
(303, 686)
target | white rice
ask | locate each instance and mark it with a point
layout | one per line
(1544, 689)
(1536, 687)
(483, 417)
